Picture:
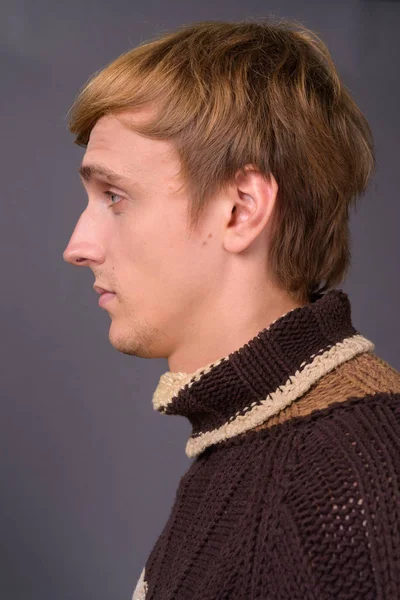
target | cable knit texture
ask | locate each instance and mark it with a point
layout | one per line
(294, 488)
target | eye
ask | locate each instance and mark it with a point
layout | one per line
(112, 195)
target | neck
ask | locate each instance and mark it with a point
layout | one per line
(215, 337)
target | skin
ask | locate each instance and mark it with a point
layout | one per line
(190, 298)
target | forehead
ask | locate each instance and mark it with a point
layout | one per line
(112, 139)
(152, 164)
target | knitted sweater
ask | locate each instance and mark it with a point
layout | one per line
(294, 490)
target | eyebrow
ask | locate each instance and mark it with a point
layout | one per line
(92, 171)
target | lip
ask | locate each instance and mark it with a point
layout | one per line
(105, 298)
(101, 290)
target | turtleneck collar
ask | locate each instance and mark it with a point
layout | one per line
(242, 390)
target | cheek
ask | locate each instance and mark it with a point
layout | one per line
(159, 255)
(150, 257)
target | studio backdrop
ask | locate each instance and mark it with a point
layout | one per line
(88, 469)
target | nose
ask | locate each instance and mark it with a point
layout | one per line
(83, 248)
(77, 257)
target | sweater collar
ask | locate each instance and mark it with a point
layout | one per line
(242, 390)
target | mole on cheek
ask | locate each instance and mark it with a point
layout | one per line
(205, 242)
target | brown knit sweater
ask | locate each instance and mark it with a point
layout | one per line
(294, 490)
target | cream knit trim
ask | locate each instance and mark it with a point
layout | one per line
(295, 386)
(141, 588)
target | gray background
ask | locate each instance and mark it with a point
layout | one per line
(88, 469)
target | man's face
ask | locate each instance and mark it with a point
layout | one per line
(134, 236)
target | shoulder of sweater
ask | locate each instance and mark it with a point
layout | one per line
(343, 457)
(359, 416)
(368, 424)
(346, 438)
(335, 501)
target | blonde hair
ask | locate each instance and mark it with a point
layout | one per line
(264, 93)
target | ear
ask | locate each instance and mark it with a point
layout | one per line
(251, 199)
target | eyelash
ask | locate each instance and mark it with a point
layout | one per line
(109, 194)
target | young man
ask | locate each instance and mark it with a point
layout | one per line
(221, 163)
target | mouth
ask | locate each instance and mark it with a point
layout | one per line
(101, 290)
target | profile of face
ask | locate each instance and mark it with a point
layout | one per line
(134, 236)
(177, 292)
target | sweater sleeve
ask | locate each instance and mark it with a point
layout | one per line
(335, 529)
